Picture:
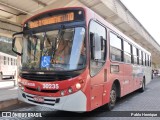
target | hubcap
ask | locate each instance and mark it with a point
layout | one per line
(113, 97)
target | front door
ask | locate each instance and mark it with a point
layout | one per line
(97, 35)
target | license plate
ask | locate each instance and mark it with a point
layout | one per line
(38, 99)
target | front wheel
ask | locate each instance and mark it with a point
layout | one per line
(113, 98)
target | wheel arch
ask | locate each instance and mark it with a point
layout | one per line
(118, 87)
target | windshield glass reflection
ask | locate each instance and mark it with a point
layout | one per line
(55, 50)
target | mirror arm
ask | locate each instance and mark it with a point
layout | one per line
(13, 43)
(17, 33)
(20, 54)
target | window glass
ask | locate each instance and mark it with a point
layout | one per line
(127, 57)
(140, 57)
(4, 60)
(116, 52)
(97, 32)
(127, 52)
(127, 47)
(134, 51)
(55, 50)
(11, 61)
(8, 60)
(144, 59)
(115, 41)
(135, 56)
(148, 60)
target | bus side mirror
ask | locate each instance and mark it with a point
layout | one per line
(17, 43)
(92, 44)
(97, 52)
(96, 46)
(102, 42)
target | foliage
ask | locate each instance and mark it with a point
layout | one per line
(6, 48)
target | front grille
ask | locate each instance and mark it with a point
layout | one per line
(50, 100)
(46, 91)
(44, 77)
(47, 101)
(40, 102)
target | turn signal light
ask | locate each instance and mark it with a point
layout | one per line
(62, 93)
(70, 90)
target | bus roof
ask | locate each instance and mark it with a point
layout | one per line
(98, 18)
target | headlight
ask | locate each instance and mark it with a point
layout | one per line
(78, 85)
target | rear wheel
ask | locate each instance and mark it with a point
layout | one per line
(143, 86)
(113, 98)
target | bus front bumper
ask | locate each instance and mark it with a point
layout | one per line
(74, 102)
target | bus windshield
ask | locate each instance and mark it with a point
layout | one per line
(56, 50)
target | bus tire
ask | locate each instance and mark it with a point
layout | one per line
(12, 77)
(142, 89)
(113, 98)
(1, 75)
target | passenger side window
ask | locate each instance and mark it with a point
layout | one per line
(127, 52)
(116, 52)
(140, 57)
(135, 55)
(144, 59)
(150, 62)
(147, 60)
(8, 61)
(5, 60)
(97, 35)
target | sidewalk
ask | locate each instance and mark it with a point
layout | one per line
(8, 94)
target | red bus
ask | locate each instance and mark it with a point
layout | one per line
(73, 60)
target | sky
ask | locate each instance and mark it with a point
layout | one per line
(147, 13)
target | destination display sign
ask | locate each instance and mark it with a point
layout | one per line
(52, 20)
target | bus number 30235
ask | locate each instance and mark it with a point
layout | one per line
(50, 86)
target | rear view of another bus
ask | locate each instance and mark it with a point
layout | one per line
(8, 65)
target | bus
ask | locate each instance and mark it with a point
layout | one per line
(8, 65)
(74, 60)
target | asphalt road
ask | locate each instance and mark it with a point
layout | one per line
(138, 105)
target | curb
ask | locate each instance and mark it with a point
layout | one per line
(8, 103)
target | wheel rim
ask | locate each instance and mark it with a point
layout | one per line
(112, 97)
(143, 86)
